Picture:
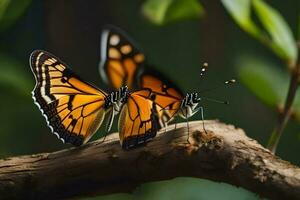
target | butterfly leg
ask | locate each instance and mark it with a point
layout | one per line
(166, 126)
(110, 120)
(163, 123)
(109, 123)
(104, 137)
(202, 118)
(186, 113)
(188, 129)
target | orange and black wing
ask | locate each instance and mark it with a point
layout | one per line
(73, 109)
(138, 120)
(164, 93)
(120, 59)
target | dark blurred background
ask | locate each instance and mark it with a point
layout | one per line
(71, 30)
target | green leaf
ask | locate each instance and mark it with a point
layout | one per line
(192, 188)
(284, 43)
(3, 7)
(10, 11)
(13, 78)
(268, 82)
(119, 196)
(280, 38)
(161, 12)
(184, 188)
(264, 80)
(298, 136)
(241, 13)
(299, 25)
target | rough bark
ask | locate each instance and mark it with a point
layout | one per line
(224, 153)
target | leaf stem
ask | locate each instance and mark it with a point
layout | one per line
(285, 115)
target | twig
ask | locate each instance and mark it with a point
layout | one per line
(224, 154)
(285, 115)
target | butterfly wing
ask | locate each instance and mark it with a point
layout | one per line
(120, 59)
(122, 63)
(138, 120)
(73, 109)
(164, 93)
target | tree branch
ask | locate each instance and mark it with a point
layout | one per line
(224, 154)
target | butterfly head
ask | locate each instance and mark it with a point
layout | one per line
(195, 98)
(117, 98)
(191, 99)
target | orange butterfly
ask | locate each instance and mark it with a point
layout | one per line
(75, 109)
(122, 63)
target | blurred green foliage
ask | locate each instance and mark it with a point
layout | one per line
(10, 11)
(184, 188)
(283, 42)
(298, 26)
(13, 76)
(166, 11)
(241, 13)
(280, 38)
(259, 75)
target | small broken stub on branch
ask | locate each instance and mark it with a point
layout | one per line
(205, 140)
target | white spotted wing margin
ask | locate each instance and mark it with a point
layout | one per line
(73, 109)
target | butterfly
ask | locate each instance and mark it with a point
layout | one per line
(123, 63)
(74, 109)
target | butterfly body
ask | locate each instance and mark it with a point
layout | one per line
(189, 105)
(117, 98)
(113, 103)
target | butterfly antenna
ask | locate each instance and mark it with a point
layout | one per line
(203, 69)
(215, 100)
(225, 83)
